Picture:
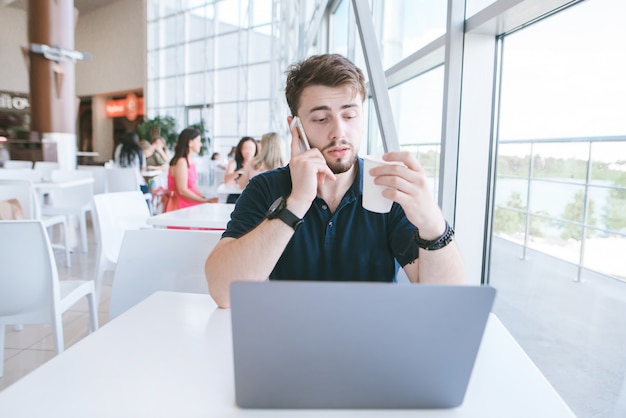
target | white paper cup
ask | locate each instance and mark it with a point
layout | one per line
(373, 199)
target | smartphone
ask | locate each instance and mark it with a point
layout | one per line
(304, 141)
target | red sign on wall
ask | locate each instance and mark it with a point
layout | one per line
(131, 107)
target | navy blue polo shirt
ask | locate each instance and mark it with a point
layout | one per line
(351, 244)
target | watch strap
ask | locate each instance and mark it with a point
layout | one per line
(442, 241)
(279, 210)
(290, 219)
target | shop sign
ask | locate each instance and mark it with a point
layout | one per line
(10, 101)
(130, 107)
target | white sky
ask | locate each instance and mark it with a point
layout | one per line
(566, 76)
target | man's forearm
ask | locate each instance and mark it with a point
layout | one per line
(443, 266)
(249, 258)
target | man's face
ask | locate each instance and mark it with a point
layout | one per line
(332, 118)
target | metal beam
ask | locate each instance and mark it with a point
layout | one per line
(377, 81)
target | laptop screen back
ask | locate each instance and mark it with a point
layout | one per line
(355, 345)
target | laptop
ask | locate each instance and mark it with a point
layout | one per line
(355, 345)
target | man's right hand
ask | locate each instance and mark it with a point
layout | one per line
(308, 170)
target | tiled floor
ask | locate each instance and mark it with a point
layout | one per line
(29, 348)
(574, 331)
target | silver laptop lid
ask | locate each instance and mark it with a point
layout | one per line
(355, 345)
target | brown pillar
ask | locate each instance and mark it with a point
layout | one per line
(52, 84)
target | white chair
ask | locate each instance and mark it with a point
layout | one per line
(160, 259)
(16, 164)
(31, 292)
(204, 168)
(115, 213)
(20, 174)
(121, 179)
(125, 179)
(71, 201)
(99, 177)
(23, 191)
(45, 168)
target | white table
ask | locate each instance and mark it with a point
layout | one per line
(228, 188)
(150, 174)
(206, 215)
(171, 356)
(64, 184)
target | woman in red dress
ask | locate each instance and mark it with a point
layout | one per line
(182, 175)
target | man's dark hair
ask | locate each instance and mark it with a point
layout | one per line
(331, 70)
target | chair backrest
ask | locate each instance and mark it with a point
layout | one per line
(120, 179)
(74, 197)
(15, 164)
(115, 213)
(45, 168)
(23, 191)
(219, 176)
(20, 173)
(160, 259)
(204, 171)
(99, 177)
(29, 280)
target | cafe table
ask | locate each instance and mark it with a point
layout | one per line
(47, 185)
(226, 189)
(155, 179)
(171, 356)
(204, 216)
(150, 174)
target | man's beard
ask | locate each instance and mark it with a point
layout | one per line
(338, 166)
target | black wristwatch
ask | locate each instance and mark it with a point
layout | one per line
(442, 241)
(279, 210)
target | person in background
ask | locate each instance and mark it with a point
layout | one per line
(154, 159)
(217, 161)
(245, 151)
(4, 152)
(182, 176)
(128, 153)
(270, 156)
(231, 154)
(160, 146)
(306, 221)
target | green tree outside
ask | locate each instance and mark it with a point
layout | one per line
(510, 218)
(574, 212)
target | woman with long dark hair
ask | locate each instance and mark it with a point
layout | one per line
(129, 154)
(246, 150)
(182, 176)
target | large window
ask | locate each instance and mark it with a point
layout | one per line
(559, 222)
(219, 56)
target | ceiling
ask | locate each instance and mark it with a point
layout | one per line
(83, 6)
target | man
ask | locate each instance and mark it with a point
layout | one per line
(306, 222)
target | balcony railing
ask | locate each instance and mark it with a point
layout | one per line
(565, 197)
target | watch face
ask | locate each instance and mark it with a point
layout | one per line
(276, 207)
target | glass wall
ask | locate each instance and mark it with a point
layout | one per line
(559, 220)
(220, 61)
